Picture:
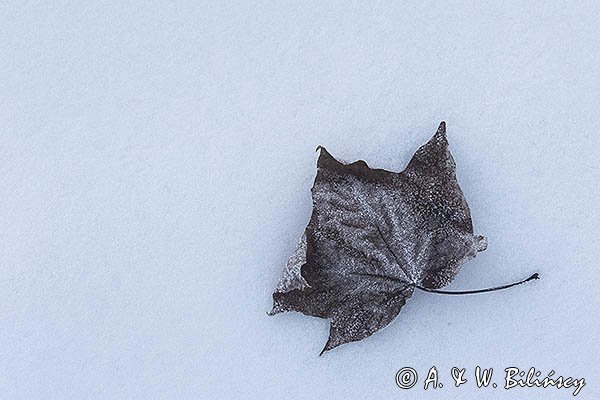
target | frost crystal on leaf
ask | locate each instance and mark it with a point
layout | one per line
(373, 236)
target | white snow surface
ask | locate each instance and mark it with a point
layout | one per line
(156, 160)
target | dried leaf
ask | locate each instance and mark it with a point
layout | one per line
(373, 236)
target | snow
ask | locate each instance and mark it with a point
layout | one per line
(155, 166)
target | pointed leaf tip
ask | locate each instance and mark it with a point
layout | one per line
(442, 128)
(327, 347)
(275, 310)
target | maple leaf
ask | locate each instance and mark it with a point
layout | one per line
(373, 237)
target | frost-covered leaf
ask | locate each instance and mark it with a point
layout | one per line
(373, 236)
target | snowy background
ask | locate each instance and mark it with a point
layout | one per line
(155, 166)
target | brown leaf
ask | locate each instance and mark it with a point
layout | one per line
(373, 236)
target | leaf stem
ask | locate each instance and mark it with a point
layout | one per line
(462, 292)
(492, 289)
